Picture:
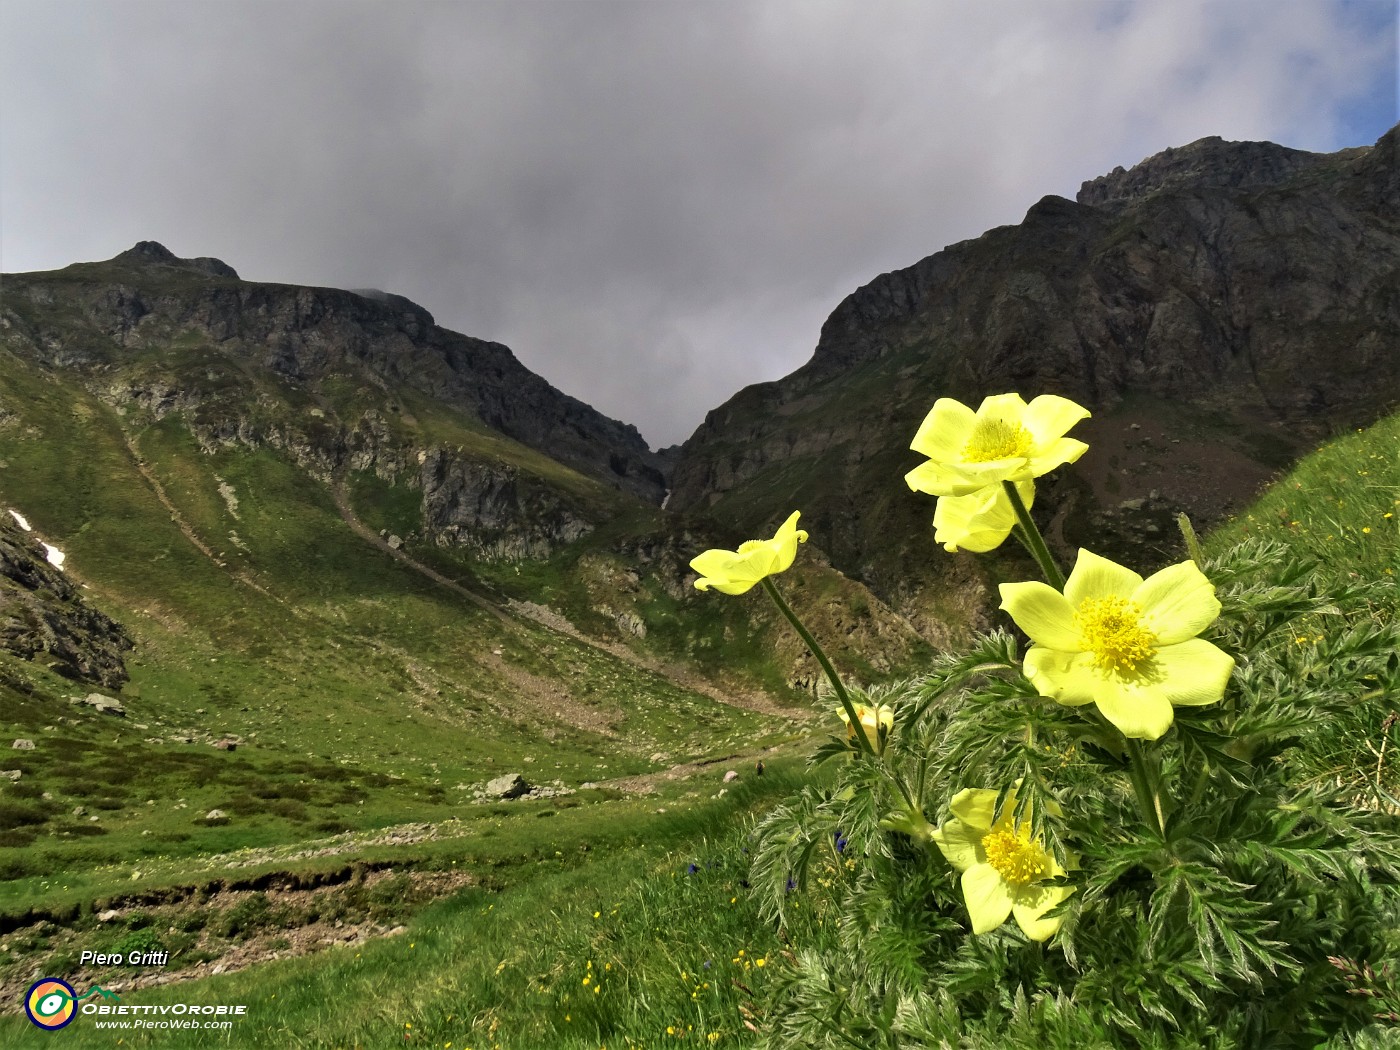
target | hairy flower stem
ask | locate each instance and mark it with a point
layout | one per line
(1146, 783)
(1146, 788)
(820, 654)
(915, 813)
(1034, 542)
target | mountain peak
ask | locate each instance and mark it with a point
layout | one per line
(148, 253)
(1211, 162)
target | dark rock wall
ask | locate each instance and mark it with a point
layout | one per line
(145, 296)
(44, 617)
(1245, 277)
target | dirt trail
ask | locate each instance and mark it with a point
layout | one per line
(184, 526)
(360, 529)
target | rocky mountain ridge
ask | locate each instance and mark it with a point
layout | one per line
(1219, 307)
(1210, 163)
(146, 297)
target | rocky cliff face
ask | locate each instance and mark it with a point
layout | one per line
(43, 616)
(101, 317)
(1219, 307)
(336, 381)
(495, 512)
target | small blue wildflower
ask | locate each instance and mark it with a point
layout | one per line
(692, 869)
(841, 841)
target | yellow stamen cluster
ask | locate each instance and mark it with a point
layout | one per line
(1111, 629)
(997, 439)
(1016, 858)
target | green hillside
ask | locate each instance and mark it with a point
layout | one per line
(652, 936)
(360, 690)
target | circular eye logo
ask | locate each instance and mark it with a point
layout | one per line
(50, 1003)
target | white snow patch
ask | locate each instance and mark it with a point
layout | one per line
(54, 555)
(21, 519)
(666, 499)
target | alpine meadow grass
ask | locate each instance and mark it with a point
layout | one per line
(1229, 882)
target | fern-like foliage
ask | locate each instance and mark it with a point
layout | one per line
(1243, 916)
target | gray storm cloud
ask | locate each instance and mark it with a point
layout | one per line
(653, 204)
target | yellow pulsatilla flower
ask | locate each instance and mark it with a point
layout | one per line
(734, 572)
(1004, 440)
(1004, 870)
(980, 521)
(1127, 644)
(877, 721)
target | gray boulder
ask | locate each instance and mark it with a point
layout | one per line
(510, 785)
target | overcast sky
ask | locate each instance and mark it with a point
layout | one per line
(652, 203)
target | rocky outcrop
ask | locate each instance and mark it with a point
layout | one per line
(152, 253)
(494, 511)
(1234, 298)
(99, 317)
(1209, 163)
(43, 617)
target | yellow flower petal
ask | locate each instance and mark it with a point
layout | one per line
(1049, 416)
(975, 807)
(1033, 901)
(945, 430)
(1002, 406)
(1096, 577)
(939, 480)
(994, 472)
(1194, 672)
(1057, 454)
(1177, 603)
(988, 897)
(725, 571)
(1140, 710)
(1042, 612)
(734, 572)
(960, 844)
(980, 521)
(1068, 678)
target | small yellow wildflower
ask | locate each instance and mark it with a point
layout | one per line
(979, 521)
(734, 572)
(1004, 870)
(1005, 439)
(1127, 644)
(877, 721)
